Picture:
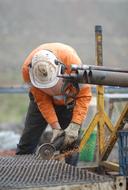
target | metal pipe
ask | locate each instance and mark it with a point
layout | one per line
(98, 39)
(108, 78)
(75, 67)
(98, 77)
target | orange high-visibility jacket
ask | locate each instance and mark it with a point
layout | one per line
(45, 102)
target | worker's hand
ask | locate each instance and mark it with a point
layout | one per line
(57, 132)
(71, 133)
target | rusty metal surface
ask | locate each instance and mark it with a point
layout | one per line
(28, 171)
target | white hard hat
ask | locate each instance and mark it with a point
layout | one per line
(44, 70)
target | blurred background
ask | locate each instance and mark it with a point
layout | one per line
(25, 24)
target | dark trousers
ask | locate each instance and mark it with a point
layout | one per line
(35, 124)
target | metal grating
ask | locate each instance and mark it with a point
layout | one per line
(28, 171)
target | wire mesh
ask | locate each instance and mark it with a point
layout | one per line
(28, 171)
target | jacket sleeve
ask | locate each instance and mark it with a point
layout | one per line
(82, 103)
(45, 105)
(84, 96)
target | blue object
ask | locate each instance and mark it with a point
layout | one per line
(123, 152)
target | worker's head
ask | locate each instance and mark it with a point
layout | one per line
(44, 69)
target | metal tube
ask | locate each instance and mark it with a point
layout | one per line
(98, 38)
(99, 77)
(108, 78)
(92, 67)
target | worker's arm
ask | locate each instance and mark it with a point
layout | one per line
(46, 107)
(84, 96)
(79, 113)
(82, 103)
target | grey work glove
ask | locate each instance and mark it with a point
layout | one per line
(57, 132)
(71, 133)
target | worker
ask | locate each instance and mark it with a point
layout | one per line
(53, 100)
